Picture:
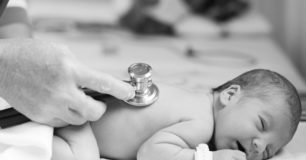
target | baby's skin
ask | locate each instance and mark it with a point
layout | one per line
(168, 129)
(171, 128)
(239, 127)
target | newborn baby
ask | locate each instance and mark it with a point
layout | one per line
(250, 117)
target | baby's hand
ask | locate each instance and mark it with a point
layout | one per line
(228, 155)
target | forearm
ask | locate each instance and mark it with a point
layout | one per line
(61, 150)
(165, 146)
(81, 141)
(165, 152)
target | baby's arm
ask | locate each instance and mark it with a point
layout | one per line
(178, 141)
(175, 142)
(75, 143)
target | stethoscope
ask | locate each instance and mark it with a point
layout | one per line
(146, 93)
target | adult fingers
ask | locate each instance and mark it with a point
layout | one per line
(104, 83)
(51, 118)
(81, 108)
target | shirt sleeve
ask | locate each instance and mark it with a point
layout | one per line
(15, 12)
(3, 4)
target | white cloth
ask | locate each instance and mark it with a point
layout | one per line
(28, 141)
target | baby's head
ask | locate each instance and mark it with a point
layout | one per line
(256, 112)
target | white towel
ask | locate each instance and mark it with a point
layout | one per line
(28, 141)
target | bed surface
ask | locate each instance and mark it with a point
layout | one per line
(192, 63)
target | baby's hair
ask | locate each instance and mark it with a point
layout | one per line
(266, 85)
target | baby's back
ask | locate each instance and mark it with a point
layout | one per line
(123, 128)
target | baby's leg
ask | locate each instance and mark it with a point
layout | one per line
(61, 150)
(75, 142)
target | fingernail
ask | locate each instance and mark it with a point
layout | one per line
(131, 93)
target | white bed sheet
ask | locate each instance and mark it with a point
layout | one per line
(219, 59)
(113, 54)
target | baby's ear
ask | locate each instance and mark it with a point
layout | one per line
(227, 94)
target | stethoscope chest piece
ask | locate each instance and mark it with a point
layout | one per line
(146, 91)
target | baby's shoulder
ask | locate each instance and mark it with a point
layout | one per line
(194, 131)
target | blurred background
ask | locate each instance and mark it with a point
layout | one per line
(282, 19)
(289, 27)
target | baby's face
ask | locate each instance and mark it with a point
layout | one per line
(255, 127)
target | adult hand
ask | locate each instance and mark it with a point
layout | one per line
(41, 80)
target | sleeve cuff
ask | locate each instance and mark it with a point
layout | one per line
(14, 15)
